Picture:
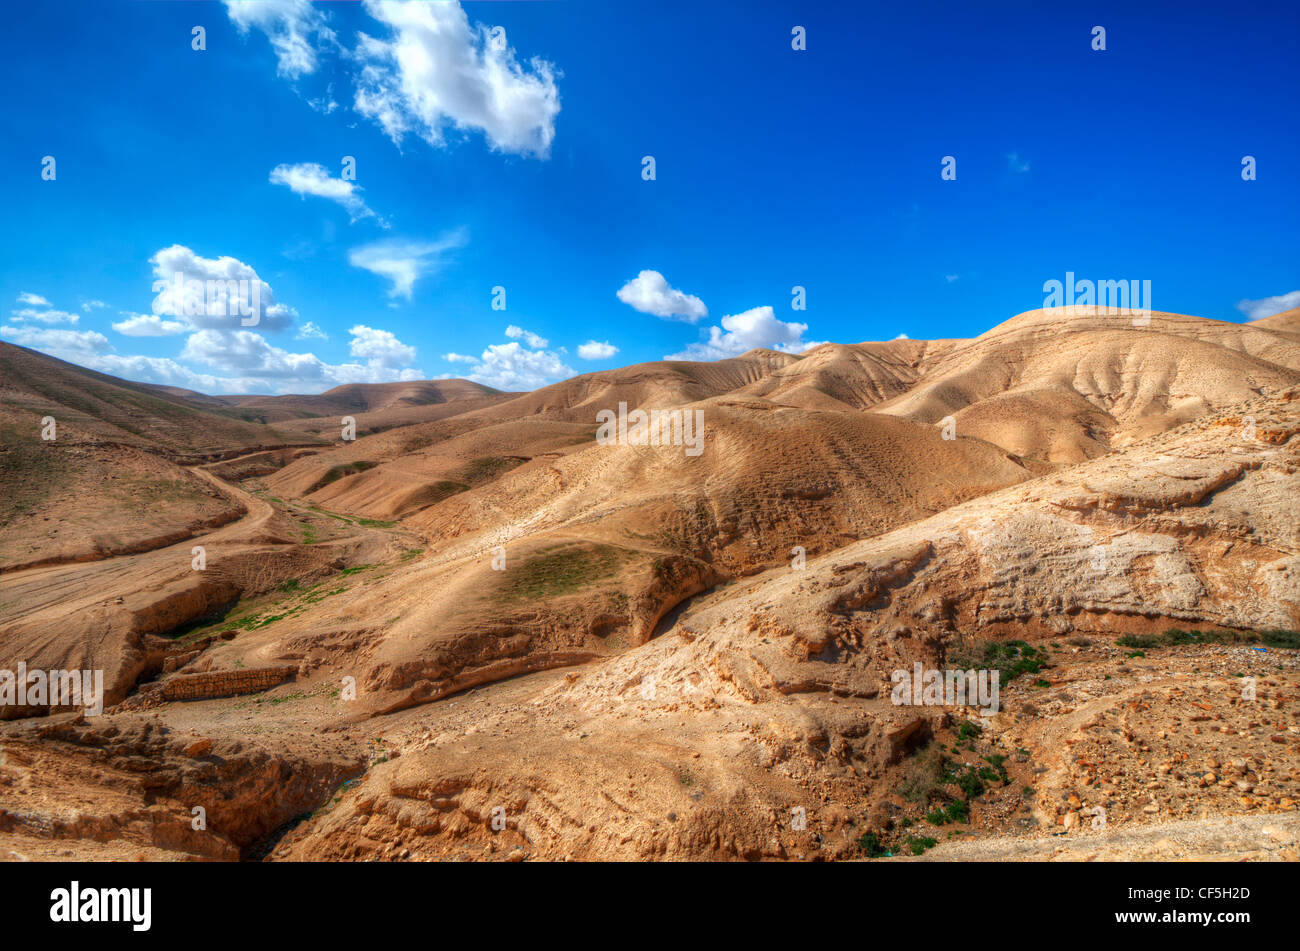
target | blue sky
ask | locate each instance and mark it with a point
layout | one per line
(485, 160)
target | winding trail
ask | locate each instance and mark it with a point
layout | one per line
(83, 585)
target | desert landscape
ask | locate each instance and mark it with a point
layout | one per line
(469, 628)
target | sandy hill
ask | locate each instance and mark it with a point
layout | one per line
(1060, 389)
(1286, 322)
(661, 383)
(854, 376)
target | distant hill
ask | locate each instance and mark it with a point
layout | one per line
(88, 405)
(358, 398)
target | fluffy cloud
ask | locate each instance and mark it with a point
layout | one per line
(310, 178)
(380, 347)
(508, 366)
(149, 325)
(1268, 306)
(73, 345)
(650, 293)
(212, 306)
(32, 300)
(245, 362)
(528, 337)
(429, 72)
(290, 25)
(434, 71)
(595, 350)
(757, 327)
(90, 349)
(404, 262)
(309, 331)
(93, 305)
(29, 315)
(250, 355)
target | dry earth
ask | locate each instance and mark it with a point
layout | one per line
(510, 641)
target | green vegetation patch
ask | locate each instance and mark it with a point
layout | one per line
(283, 608)
(1009, 658)
(560, 570)
(341, 471)
(917, 844)
(487, 468)
(871, 846)
(1176, 637)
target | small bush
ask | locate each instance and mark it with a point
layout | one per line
(918, 844)
(870, 844)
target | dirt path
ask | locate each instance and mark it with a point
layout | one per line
(82, 585)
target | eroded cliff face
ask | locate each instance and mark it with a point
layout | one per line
(128, 786)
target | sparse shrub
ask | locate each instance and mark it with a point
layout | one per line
(870, 844)
(1009, 658)
(922, 773)
(918, 844)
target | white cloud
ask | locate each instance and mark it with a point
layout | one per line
(650, 293)
(93, 305)
(310, 178)
(528, 337)
(90, 349)
(190, 299)
(324, 104)
(380, 347)
(70, 345)
(244, 360)
(149, 325)
(404, 262)
(757, 327)
(250, 355)
(309, 331)
(950, 278)
(32, 300)
(1268, 306)
(902, 337)
(595, 350)
(511, 366)
(508, 366)
(289, 25)
(29, 315)
(435, 71)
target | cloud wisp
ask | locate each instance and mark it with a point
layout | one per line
(402, 262)
(311, 178)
